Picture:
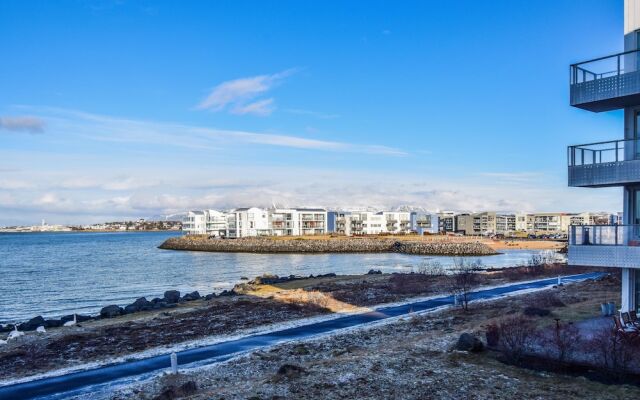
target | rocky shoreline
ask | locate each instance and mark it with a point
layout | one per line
(170, 299)
(342, 245)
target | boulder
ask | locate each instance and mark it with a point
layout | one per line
(130, 309)
(141, 303)
(6, 328)
(32, 324)
(191, 296)
(468, 342)
(374, 272)
(111, 311)
(290, 370)
(172, 296)
(268, 279)
(53, 323)
(210, 296)
(159, 304)
(79, 318)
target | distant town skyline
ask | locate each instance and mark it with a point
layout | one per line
(116, 110)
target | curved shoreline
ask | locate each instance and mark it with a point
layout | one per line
(316, 246)
(77, 382)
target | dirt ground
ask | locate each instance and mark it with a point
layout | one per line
(372, 363)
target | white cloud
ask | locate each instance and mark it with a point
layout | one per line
(260, 107)
(513, 177)
(22, 124)
(239, 94)
(113, 129)
(13, 184)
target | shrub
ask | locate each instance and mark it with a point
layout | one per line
(432, 268)
(536, 312)
(492, 335)
(515, 335)
(563, 341)
(463, 279)
(614, 352)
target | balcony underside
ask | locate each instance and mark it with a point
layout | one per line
(604, 256)
(608, 93)
(617, 173)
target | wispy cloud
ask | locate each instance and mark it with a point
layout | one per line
(22, 124)
(239, 96)
(113, 129)
(260, 107)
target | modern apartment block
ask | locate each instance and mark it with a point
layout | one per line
(447, 222)
(195, 223)
(604, 84)
(353, 222)
(486, 223)
(298, 221)
(254, 221)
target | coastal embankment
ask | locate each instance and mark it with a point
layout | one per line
(335, 245)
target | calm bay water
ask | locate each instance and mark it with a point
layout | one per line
(54, 274)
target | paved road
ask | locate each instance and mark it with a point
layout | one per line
(92, 380)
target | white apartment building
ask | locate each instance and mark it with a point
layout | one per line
(369, 222)
(217, 223)
(245, 222)
(195, 223)
(254, 221)
(298, 221)
(396, 221)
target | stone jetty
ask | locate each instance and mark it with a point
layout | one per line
(337, 245)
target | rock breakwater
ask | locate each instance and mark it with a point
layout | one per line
(341, 245)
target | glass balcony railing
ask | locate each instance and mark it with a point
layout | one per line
(606, 83)
(604, 235)
(603, 152)
(604, 164)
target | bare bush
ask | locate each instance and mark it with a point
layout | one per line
(515, 334)
(615, 352)
(539, 263)
(463, 279)
(432, 268)
(563, 341)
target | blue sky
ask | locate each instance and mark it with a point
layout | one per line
(123, 109)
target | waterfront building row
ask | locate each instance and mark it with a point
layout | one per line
(255, 221)
(489, 223)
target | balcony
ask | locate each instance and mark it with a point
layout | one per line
(605, 245)
(604, 164)
(606, 83)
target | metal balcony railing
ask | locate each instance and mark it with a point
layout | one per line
(603, 152)
(606, 83)
(603, 164)
(604, 235)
